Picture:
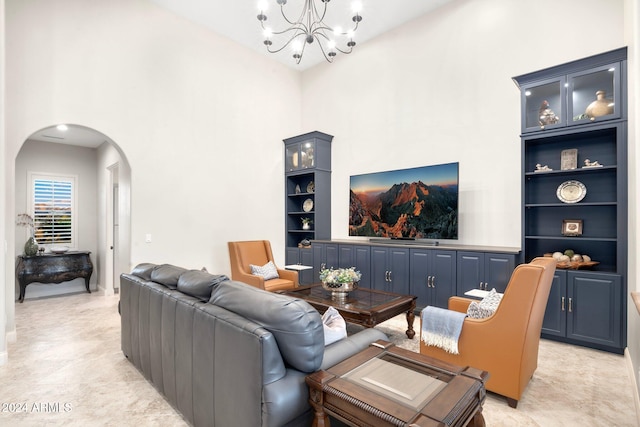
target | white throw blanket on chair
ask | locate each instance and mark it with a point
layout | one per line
(441, 328)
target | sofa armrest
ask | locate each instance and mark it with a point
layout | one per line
(459, 304)
(345, 348)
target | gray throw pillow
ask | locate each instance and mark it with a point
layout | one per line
(267, 271)
(486, 307)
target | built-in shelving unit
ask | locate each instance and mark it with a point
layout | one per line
(307, 196)
(574, 193)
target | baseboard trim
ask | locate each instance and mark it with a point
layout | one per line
(634, 382)
(4, 358)
(12, 336)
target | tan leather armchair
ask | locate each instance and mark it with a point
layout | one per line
(257, 252)
(506, 343)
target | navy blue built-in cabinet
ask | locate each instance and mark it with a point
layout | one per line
(574, 193)
(307, 162)
(432, 273)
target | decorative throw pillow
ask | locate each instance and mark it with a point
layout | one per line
(335, 328)
(486, 307)
(267, 271)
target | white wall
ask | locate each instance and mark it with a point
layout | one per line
(60, 159)
(439, 90)
(189, 109)
(112, 165)
(4, 312)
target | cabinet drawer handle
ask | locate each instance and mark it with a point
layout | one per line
(390, 276)
(428, 281)
(562, 304)
(570, 305)
(481, 288)
(433, 281)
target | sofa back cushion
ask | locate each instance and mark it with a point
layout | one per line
(296, 326)
(143, 270)
(167, 274)
(199, 284)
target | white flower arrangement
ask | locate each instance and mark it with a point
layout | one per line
(340, 275)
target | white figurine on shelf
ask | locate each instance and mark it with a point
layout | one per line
(589, 164)
(540, 168)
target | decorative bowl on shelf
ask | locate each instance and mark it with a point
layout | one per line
(575, 265)
(59, 249)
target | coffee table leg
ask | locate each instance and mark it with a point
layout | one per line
(410, 318)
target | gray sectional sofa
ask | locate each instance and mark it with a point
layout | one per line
(224, 353)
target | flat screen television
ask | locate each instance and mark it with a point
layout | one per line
(416, 203)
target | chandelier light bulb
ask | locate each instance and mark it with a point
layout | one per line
(309, 25)
(296, 46)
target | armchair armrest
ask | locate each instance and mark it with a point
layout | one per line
(459, 304)
(289, 275)
(251, 279)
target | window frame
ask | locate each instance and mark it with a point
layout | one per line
(73, 180)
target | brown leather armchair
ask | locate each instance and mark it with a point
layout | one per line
(506, 343)
(257, 252)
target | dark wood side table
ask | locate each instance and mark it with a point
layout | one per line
(385, 385)
(53, 268)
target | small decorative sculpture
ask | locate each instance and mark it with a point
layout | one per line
(589, 164)
(546, 114)
(540, 168)
(601, 106)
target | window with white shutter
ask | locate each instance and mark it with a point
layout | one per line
(54, 212)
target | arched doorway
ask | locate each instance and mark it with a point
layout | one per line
(101, 214)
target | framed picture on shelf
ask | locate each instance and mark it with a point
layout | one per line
(572, 227)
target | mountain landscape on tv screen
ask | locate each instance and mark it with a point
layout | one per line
(413, 210)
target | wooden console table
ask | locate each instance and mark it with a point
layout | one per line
(53, 268)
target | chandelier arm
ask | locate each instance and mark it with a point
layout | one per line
(287, 44)
(329, 59)
(300, 18)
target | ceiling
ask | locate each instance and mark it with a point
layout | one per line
(238, 21)
(74, 135)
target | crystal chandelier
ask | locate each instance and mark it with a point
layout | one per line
(309, 27)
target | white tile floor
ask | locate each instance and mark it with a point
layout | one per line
(66, 368)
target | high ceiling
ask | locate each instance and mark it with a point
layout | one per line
(238, 21)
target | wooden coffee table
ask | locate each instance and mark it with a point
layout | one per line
(385, 385)
(366, 307)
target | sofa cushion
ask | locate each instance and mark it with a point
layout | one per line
(167, 274)
(143, 270)
(199, 284)
(296, 326)
(267, 271)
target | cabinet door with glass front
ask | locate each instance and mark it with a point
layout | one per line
(594, 95)
(543, 105)
(300, 155)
